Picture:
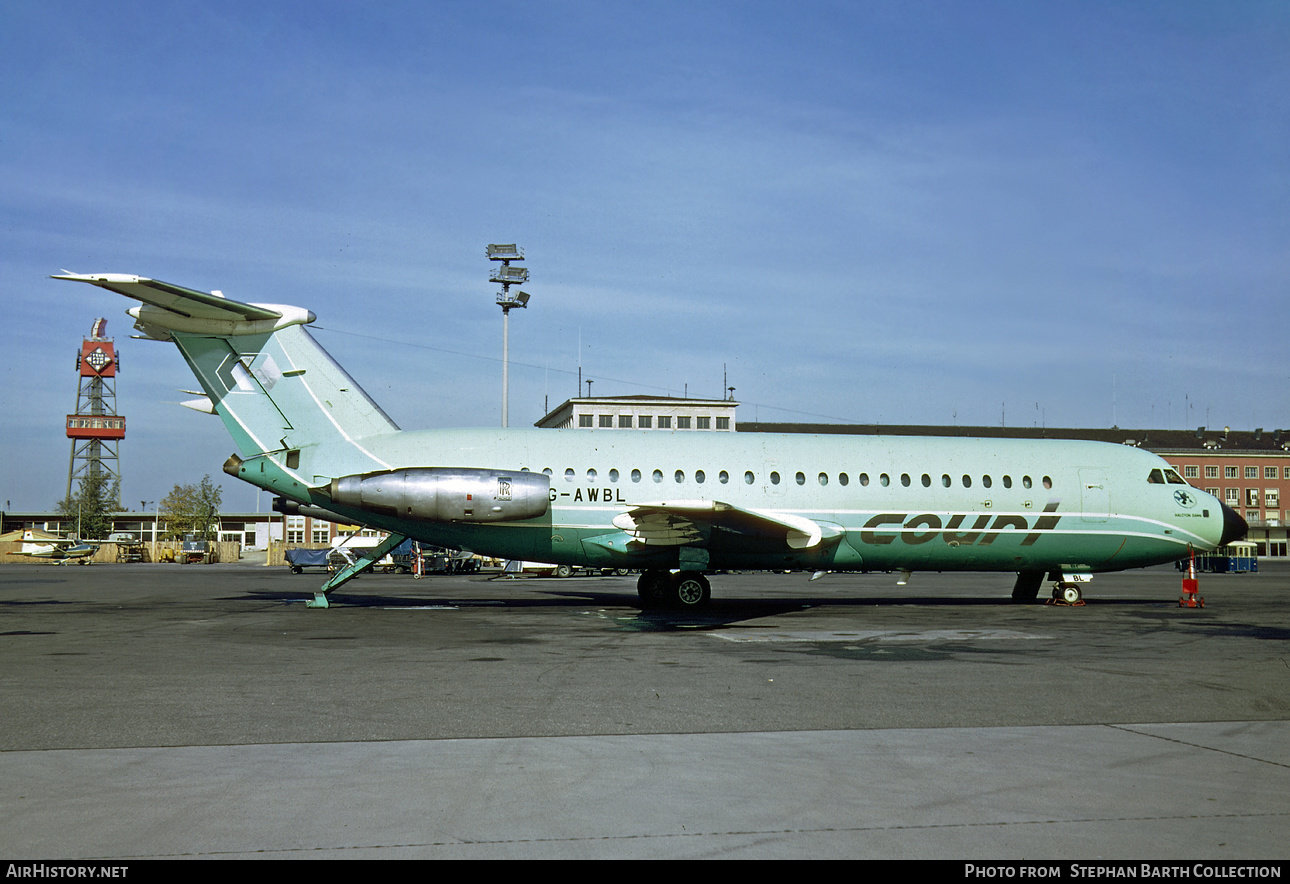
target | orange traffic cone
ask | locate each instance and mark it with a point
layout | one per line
(1190, 597)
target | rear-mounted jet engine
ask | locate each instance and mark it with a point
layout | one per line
(447, 494)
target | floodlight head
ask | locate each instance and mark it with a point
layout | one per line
(505, 252)
(522, 299)
(507, 274)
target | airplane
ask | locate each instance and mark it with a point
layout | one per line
(60, 551)
(674, 506)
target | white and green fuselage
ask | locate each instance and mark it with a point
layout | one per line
(668, 500)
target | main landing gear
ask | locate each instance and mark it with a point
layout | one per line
(683, 590)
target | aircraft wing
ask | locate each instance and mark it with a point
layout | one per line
(186, 302)
(684, 522)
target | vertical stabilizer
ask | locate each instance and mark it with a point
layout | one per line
(266, 377)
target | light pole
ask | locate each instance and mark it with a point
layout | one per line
(507, 276)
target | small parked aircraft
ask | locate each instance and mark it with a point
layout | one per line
(60, 551)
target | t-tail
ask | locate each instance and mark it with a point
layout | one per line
(282, 397)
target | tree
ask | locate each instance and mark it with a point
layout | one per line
(192, 509)
(90, 508)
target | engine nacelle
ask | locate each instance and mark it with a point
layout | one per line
(447, 494)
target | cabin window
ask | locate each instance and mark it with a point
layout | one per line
(568, 475)
(801, 478)
(885, 480)
(749, 478)
(613, 475)
(546, 471)
(946, 481)
(723, 477)
(986, 481)
(774, 477)
(699, 476)
(842, 479)
(1156, 477)
(1025, 481)
(636, 475)
(1007, 481)
(591, 475)
(657, 476)
(927, 481)
(864, 479)
(1173, 478)
(679, 476)
(904, 479)
(967, 481)
(1048, 483)
(824, 478)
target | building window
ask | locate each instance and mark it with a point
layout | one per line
(703, 423)
(1251, 497)
(607, 420)
(1191, 472)
(1232, 496)
(1251, 472)
(1230, 473)
(1211, 472)
(683, 422)
(624, 421)
(1270, 498)
(321, 534)
(723, 423)
(645, 421)
(584, 420)
(1269, 472)
(1252, 516)
(665, 421)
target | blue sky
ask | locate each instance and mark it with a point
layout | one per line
(926, 212)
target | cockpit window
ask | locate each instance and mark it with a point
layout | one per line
(1173, 478)
(1157, 477)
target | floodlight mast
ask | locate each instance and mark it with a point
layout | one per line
(507, 276)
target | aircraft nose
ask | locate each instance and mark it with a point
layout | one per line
(1234, 527)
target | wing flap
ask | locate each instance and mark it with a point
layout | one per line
(684, 522)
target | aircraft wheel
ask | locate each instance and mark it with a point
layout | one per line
(563, 571)
(689, 590)
(652, 587)
(1071, 594)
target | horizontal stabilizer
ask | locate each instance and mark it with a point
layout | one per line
(173, 308)
(175, 298)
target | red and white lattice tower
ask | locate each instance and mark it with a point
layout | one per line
(96, 430)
